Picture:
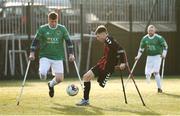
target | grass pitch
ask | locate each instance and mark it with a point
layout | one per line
(104, 101)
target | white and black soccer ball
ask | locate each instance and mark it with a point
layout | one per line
(72, 90)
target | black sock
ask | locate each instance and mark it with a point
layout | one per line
(87, 87)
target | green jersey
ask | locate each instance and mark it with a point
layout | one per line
(153, 45)
(51, 41)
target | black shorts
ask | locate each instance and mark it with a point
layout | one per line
(96, 70)
(103, 76)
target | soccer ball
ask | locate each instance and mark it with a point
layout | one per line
(72, 90)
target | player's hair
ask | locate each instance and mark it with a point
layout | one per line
(53, 15)
(151, 26)
(100, 29)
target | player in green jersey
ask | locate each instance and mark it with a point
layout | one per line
(156, 48)
(49, 39)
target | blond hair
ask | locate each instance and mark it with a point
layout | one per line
(151, 26)
(100, 29)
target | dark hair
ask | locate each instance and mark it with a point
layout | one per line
(101, 29)
(53, 15)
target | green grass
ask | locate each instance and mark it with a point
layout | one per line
(104, 101)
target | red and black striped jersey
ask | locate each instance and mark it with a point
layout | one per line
(113, 54)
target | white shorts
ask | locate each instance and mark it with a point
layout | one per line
(153, 64)
(45, 64)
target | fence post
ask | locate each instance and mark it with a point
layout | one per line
(28, 20)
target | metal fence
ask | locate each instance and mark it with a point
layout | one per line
(118, 10)
(23, 16)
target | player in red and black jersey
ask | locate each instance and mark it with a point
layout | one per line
(113, 55)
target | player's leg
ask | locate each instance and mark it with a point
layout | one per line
(103, 78)
(157, 64)
(58, 72)
(87, 77)
(44, 66)
(58, 78)
(148, 68)
(158, 81)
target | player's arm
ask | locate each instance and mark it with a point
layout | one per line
(34, 45)
(164, 46)
(70, 50)
(141, 49)
(122, 59)
(69, 45)
(119, 51)
(121, 55)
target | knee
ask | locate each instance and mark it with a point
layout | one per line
(59, 78)
(156, 74)
(148, 75)
(86, 78)
(42, 76)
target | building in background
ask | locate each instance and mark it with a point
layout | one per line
(23, 17)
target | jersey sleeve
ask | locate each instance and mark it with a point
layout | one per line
(116, 49)
(121, 55)
(65, 33)
(142, 43)
(38, 33)
(68, 40)
(163, 43)
(35, 41)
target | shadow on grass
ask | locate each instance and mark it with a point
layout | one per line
(93, 110)
(150, 112)
(136, 112)
(171, 95)
(76, 110)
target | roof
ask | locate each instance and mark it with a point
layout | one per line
(140, 26)
(58, 4)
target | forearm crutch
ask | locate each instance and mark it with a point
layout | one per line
(123, 88)
(77, 71)
(23, 83)
(132, 77)
(162, 72)
(130, 72)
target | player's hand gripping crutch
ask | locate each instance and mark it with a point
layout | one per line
(131, 72)
(23, 83)
(77, 71)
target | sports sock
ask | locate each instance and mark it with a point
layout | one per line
(158, 80)
(87, 87)
(53, 82)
